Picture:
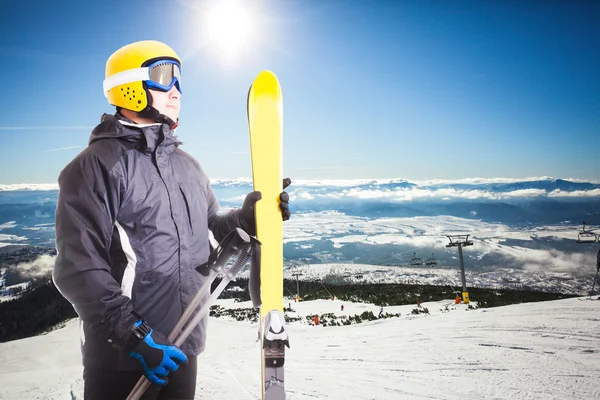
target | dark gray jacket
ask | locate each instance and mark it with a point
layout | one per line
(132, 221)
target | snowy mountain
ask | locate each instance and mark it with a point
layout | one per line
(544, 350)
(521, 225)
(547, 185)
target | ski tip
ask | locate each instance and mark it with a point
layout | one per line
(265, 83)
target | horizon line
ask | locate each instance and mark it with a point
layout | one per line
(337, 182)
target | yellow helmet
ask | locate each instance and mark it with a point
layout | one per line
(134, 68)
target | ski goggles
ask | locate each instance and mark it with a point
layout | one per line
(161, 75)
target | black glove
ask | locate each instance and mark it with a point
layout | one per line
(246, 217)
(284, 200)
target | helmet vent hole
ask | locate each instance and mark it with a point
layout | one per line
(139, 102)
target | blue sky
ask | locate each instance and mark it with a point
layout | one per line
(399, 89)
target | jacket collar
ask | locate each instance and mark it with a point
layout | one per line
(147, 137)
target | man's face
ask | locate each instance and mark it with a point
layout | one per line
(167, 103)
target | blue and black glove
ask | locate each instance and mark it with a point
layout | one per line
(158, 356)
(246, 213)
(153, 350)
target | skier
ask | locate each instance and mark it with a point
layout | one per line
(133, 220)
(380, 312)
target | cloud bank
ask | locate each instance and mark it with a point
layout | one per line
(402, 190)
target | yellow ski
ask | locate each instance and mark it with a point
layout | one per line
(265, 123)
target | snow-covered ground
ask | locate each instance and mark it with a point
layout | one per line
(547, 350)
(6, 292)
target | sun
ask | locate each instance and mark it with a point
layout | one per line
(229, 27)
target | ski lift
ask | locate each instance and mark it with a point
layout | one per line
(431, 262)
(416, 262)
(586, 236)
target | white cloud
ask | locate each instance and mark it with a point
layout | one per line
(2, 244)
(479, 181)
(29, 186)
(62, 148)
(9, 224)
(575, 193)
(416, 193)
(239, 198)
(5, 237)
(305, 196)
(231, 182)
(39, 267)
(550, 260)
(371, 189)
(334, 168)
(525, 193)
(346, 182)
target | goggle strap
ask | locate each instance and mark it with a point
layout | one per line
(121, 78)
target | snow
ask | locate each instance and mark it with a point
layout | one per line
(545, 350)
(429, 233)
(7, 289)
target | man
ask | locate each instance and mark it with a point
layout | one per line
(133, 219)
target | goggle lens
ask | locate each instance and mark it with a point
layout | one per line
(163, 75)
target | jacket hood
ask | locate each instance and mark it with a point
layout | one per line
(147, 136)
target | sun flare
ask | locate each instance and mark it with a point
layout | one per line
(229, 27)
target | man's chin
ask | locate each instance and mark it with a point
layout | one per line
(172, 115)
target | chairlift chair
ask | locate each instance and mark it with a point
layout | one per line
(431, 262)
(586, 236)
(416, 262)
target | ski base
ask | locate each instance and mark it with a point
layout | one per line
(275, 339)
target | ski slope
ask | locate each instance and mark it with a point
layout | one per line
(546, 350)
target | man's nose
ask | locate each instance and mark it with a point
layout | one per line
(174, 93)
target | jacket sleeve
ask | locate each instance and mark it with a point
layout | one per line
(88, 203)
(220, 225)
